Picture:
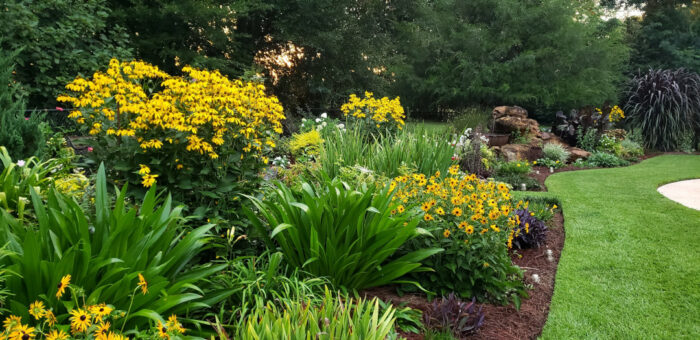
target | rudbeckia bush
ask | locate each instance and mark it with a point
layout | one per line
(473, 221)
(200, 130)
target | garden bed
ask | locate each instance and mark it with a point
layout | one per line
(505, 322)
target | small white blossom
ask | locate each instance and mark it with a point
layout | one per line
(341, 126)
(20, 162)
(324, 115)
(318, 120)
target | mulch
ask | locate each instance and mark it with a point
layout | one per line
(505, 322)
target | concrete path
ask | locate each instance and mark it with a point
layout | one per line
(686, 193)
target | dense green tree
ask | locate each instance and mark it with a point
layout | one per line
(22, 137)
(536, 53)
(57, 40)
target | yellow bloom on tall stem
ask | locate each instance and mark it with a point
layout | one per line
(143, 284)
(22, 332)
(11, 322)
(57, 335)
(37, 310)
(65, 281)
(80, 320)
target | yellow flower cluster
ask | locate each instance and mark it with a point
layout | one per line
(203, 112)
(73, 185)
(380, 112)
(616, 114)
(88, 322)
(462, 205)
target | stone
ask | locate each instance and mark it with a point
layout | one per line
(512, 111)
(576, 153)
(550, 138)
(517, 152)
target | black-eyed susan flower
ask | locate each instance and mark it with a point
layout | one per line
(143, 284)
(80, 320)
(163, 331)
(400, 209)
(102, 331)
(65, 281)
(446, 233)
(175, 325)
(11, 322)
(428, 217)
(469, 229)
(50, 318)
(22, 332)
(462, 225)
(440, 211)
(37, 310)
(495, 228)
(101, 310)
(57, 335)
(457, 211)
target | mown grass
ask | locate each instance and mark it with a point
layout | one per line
(630, 267)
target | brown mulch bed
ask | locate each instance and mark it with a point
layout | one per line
(505, 322)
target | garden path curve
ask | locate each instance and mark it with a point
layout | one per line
(686, 193)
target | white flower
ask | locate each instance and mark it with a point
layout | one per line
(323, 124)
(324, 115)
(20, 162)
(318, 120)
(303, 119)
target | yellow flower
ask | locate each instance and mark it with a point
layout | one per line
(428, 217)
(149, 180)
(37, 309)
(462, 225)
(486, 264)
(11, 322)
(554, 206)
(454, 170)
(400, 209)
(425, 207)
(143, 284)
(440, 211)
(175, 325)
(495, 228)
(102, 331)
(163, 331)
(469, 230)
(446, 233)
(65, 281)
(101, 310)
(79, 321)
(457, 212)
(50, 318)
(57, 335)
(145, 170)
(22, 332)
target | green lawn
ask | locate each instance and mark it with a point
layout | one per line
(630, 268)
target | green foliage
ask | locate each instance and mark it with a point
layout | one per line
(607, 144)
(470, 118)
(17, 180)
(505, 168)
(104, 251)
(602, 159)
(587, 140)
(553, 53)
(21, 137)
(305, 145)
(426, 151)
(629, 149)
(664, 104)
(407, 319)
(344, 234)
(58, 39)
(4, 275)
(555, 152)
(338, 317)
(517, 180)
(254, 282)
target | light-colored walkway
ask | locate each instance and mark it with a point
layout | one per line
(686, 193)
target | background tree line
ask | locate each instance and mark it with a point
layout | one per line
(438, 55)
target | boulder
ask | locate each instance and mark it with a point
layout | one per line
(576, 153)
(517, 152)
(512, 111)
(550, 138)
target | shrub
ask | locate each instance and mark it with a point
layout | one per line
(105, 251)
(21, 137)
(334, 318)
(586, 120)
(629, 149)
(453, 316)
(664, 104)
(513, 168)
(607, 144)
(587, 140)
(606, 160)
(473, 152)
(530, 231)
(306, 145)
(473, 221)
(344, 234)
(200, 130)
(376, 115)
(555, 152)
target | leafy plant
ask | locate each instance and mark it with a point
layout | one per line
(336, 317)
(555, 152)
(104, 251)
(513, 168)
(629, 149)
(453, 315)
(664, 104)
(341, 233)
(472, 220)
(604, 159)
(530, 232)
(607, 144)
(306, 145)
(470, 118)
(376, 115)
(407, 319)
(587, 140)
(516, 181)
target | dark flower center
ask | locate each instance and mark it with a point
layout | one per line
(102, 310)
(82, 318)
(25, 336)
(164, 330)
(60, 284)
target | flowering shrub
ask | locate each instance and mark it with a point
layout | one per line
(322, 124)
(199, 130)
(305, 145)
(530, 232)
(91, 321)
(614, 115)
(513, 168)
(473, 221)
(377, 114)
